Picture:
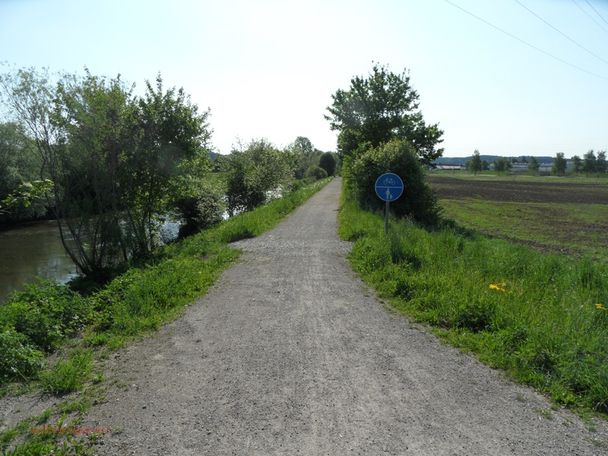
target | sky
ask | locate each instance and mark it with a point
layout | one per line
(268, 68)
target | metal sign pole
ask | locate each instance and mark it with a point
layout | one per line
(386, 217)
(389, 187)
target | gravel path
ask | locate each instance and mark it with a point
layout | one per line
(290, 354)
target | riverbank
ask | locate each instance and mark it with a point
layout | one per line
(38, 344)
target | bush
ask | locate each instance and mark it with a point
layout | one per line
(46, 313)
(399, 157)
(200, 211)
(253, 172)
(18, 359)
(328, 163)
(316, 172)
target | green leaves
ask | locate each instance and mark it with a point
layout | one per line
(379, 108)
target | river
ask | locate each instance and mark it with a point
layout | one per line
(29, 251)
(35, 250)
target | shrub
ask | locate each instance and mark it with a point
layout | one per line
(316, 172)
(399, 157)
(253, 172)
(45, 312)
(328, 163)
(18, 359)
(200, 210)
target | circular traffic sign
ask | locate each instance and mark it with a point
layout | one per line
(389, 187)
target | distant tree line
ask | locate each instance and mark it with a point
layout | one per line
(590, 164)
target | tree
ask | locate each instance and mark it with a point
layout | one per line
(303, 156)
(113, 158)
(254, 172)
(559, 165)
(474, 165)
(502, 165)
(578, 164)
(589, 162)
(600, 165)
(377, 109)
(19, 164)
(533, 165)
(485, 166)
(328, 163)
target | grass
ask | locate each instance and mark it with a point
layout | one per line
(523, 177)
(68, 375)
(132, 305)
(540, 317)
(567, 227)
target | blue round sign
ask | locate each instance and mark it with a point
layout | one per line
(389, 187)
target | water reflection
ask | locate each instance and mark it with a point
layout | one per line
(30, 251)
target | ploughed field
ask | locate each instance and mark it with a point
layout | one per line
(552, 214)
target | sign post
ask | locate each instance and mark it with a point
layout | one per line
(389, 187)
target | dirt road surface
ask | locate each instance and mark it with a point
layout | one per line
(290, 354)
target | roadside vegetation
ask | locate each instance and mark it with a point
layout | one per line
(53, 338)
(110, 167)
(541, 317)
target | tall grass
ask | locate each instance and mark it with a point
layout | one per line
(542, 318)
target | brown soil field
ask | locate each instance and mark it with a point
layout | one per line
(519, 191)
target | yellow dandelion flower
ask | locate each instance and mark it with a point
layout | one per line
(600, 306)
(497, 287)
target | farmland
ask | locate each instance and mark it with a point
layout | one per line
(561, 215)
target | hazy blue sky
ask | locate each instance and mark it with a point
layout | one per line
(268, 68)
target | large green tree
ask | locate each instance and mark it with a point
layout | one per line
(378, 108)
(114, 158)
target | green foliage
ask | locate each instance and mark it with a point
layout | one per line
(379, 108)
(328, 163)
(578, 164)
(589, 162)
(19, 164)
(254, 172)
(533, 165)
(18, 359)
(502, 165)
(46, 313)
(559, 165)
(200, 210)
(541, 317)
(474, 164)
(316, 173)
(114, 158)
(68, 375)
(303, 156)
(399, 157)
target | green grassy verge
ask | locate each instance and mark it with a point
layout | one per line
(579, 228)
(47, 318)
(540, 317)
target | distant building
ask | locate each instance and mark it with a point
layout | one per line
(450, 167)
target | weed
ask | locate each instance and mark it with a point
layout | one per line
(68, 375)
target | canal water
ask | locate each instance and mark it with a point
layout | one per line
(29, 251)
